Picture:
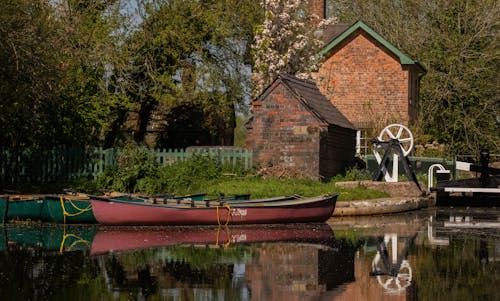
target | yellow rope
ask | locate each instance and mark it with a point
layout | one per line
(79, 210)
(228, 242)
(78, 240)
(217, 236)
(89, 207)
(228, 214)
(226, 245)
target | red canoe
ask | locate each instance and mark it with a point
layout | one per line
(266, 211)
(122, 240)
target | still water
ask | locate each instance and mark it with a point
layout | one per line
(432, 254)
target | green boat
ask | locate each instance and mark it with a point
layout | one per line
(68, 210)
(26, 207)
(4, 201)
(50, 208)
(51, 237)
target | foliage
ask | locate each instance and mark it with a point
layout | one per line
(189, 68)
(287, 41)
(71, 71)
(353, 174)
(240, 133)
(191, 175)
(457, 42)
(57, 59)
(29, 74)
(260, 188)
(138, 171)
(137, 167)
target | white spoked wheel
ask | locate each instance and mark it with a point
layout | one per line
(397, 284)
(400, 133)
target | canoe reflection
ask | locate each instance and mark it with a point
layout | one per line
(99, 240)
(50, 238)
(261, 262)
(128, 239)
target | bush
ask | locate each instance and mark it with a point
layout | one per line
(136, 164)
(189, 175)
(354, 174)
(138, 171)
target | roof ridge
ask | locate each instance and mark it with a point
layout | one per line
(308, 93)
(404, 58)
(295, 79)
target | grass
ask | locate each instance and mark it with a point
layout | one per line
(260, 188)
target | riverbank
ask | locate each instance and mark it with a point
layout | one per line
(403, 196)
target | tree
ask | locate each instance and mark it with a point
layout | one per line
(91, 97)
(57, 62)
(460, 100)
(457, 42)
(287, 41)
(189, 57)
(29, 74)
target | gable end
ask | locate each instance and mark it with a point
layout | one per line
(403, 58)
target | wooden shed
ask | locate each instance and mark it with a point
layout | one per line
(295, 126)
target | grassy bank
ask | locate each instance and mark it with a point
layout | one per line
(258, 188)
(139, 172)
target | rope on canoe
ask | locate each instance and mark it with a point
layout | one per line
(77, 241)
(228, 214)
(79, 210)
(228, 242)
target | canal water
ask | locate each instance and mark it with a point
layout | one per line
(431, 254)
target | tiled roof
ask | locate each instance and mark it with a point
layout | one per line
(333, 31)
(308, 93)
(336, 34)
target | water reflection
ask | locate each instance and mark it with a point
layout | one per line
(177, 263)
(433, 254)
(443, 253)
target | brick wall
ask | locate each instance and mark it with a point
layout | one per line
(284, 132)
(317, 7)
(367, 84)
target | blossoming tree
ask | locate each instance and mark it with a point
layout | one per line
(287, 41)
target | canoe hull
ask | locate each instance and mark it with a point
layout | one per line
(4, 202)
(120, 240)
(70, 211)
(317, 209)
(27, 209)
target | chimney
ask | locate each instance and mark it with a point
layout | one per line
(317, 7)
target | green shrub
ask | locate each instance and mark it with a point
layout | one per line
(354, 174)
(189, 175)
(135, 164)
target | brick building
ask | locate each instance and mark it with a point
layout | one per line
(367, 78)
(295, 126)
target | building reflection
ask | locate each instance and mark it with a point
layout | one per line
(295, 271)
(298, 272)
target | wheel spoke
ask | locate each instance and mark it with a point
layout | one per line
(389, 133)
(405, 140)
(400, 131)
